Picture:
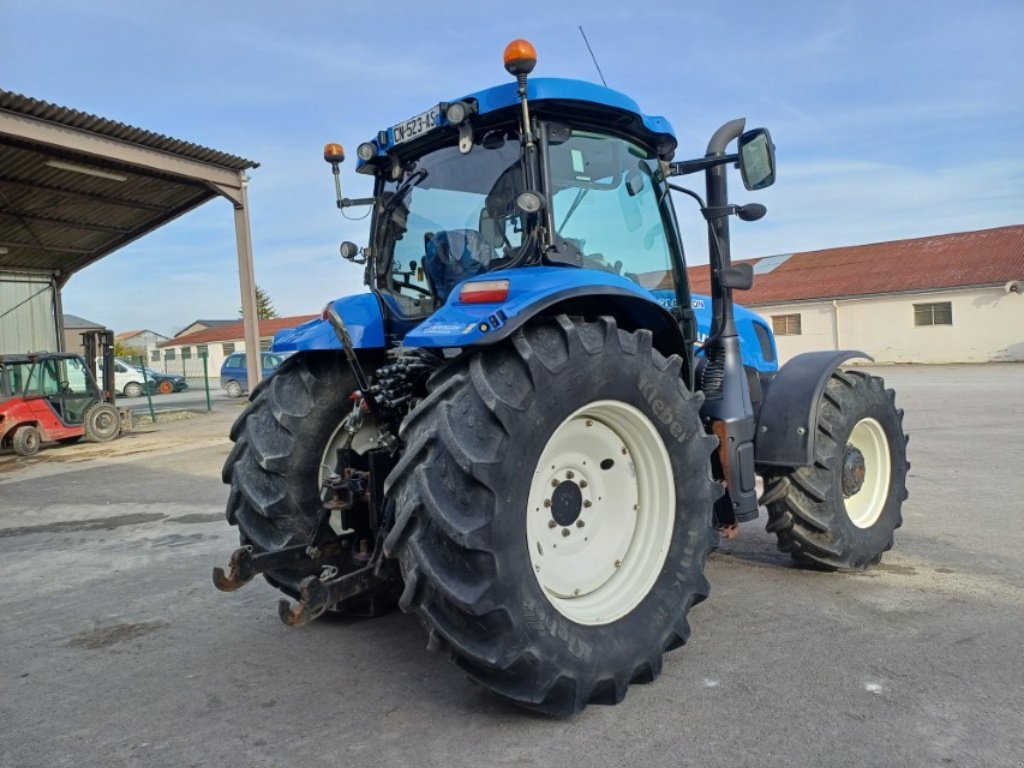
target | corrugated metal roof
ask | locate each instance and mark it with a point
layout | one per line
(236, 331)
(983, 257)
(73, 118)
(62, 209)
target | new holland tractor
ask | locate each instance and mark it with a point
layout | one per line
(528, 432)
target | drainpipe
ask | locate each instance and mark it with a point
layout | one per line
(835, 327)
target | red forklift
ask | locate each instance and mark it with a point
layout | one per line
(53, 397)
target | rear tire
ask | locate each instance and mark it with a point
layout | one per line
(102, 422)
(505, 424)
(165, 387)
(840, 513)
(234, 389)
(27, 440)
(282, 441)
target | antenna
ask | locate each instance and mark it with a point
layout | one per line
(599, 72)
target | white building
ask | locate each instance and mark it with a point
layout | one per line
(953, 298)
(183, 353)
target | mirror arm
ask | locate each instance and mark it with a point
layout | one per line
(701, 164)
(347, 202)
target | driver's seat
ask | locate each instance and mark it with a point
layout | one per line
(452, 255)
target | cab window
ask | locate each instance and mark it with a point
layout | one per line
(607, 202)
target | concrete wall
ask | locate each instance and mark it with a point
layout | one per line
(988, 325)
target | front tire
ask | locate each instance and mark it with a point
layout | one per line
(133, 389)
(27, 441)
(500, 469)
(102, 422)
(840, 513)
(234, 389)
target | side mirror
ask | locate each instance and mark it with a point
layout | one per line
(757, 159)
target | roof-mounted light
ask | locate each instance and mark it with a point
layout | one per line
(85, 169)
(484, 292)
(458, 111)
(334, 153)
(366, 151)
(520, 57)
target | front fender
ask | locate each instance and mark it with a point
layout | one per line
(786, 425)
(531, 290)
(363, 318)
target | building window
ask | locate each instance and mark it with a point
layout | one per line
(154, 356)
(169, 354)
(227, 348)
(265, 344)
(939, 313)
(203, 351)
(786, 325)
(186, 353)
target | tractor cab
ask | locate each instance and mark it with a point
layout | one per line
(542, 172)
(475, 194)
(51, 397)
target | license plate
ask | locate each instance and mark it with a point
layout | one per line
(416, 126)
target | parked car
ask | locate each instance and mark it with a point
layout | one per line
(234, 377)
(128, 380)
(166, 383)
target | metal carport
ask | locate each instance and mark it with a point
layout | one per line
(75, 187)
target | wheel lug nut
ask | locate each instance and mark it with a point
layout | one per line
(570, 475)
(552, 523)
(580, 523)
(583, 483)
(554, 482)
(547, 502)
(586, 503)
(565, 531)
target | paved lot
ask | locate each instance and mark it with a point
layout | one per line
(115, 650)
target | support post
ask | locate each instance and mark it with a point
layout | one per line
(247, 283)
(206, 381)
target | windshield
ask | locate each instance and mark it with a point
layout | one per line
(605, 201)
(454, 217)
(47, 377)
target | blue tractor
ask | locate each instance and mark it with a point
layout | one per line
(528, 432)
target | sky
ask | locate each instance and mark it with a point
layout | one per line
(891, 119)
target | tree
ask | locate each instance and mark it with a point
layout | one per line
(264, 306)
(127, 352)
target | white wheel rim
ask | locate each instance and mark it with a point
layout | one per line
(597, 572)
(865, 506)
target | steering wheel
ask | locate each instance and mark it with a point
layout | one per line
(65, 388)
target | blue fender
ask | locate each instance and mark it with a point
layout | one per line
(363, 318)
(532, 290)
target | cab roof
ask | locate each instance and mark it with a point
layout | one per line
(569, 97)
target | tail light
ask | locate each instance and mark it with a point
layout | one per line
(484, 292)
